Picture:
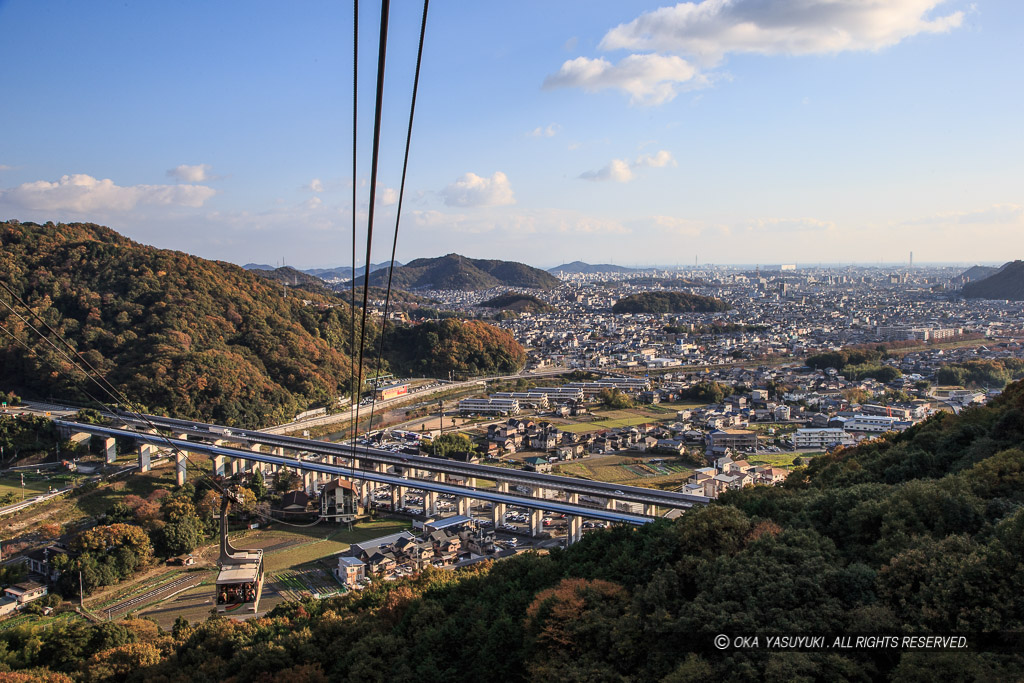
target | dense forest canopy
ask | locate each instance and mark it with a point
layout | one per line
(464, 347)
(178, 334)
(458, 272)
(920, 533)
(517, 301)
(669, 302)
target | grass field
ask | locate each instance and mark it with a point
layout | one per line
(301, 546)
(779, 459)
(33, 484)
(614, 469)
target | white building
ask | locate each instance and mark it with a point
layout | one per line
(495, 406)
(870, 423)
(821, 438)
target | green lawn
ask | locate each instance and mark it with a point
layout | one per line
(33, 484)
(317, 542)
(784, 460)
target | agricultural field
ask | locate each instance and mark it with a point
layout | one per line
(783, 460)
(634, 471)
(287, 548)
(34, 483)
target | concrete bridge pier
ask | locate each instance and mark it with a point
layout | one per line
(364, 493)
(180, 462)
(536, 522)
(575, 531)
(218, 465)
(463, 504)
(247, 465)
(498, 509)
(650, 510)
(145, 453)
(110, 449)
(79, 438)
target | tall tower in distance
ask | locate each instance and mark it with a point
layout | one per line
(911, 259)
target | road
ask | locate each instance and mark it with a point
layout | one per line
(384, 405)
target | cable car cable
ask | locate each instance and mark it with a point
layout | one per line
(401, 195)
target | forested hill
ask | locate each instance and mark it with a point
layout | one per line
(669, 302)
(1005, 283)
(517, 301)
(920, 534)
(177, 333)
(461, 273)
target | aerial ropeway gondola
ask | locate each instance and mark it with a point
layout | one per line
(240, 581)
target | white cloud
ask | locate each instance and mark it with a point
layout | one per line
(82, 193)
(191, 174)
(713, 28)
(621, 171)
(386, 196)
(789, 225)
(995, 214)
(649, 79)
(316, 185)
(5, 167)
(678, 226)
(659, 160)
(618, 170)
(548, 131)
(474, 190)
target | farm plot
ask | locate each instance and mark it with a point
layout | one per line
(300, 583)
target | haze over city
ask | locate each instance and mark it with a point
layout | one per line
(626, 132)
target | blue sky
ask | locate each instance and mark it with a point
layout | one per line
(743, 131)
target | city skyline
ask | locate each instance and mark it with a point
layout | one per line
(637, 132)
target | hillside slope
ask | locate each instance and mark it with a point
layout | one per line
(177, 333)
(579, 267)
(668, 302)
(461, 273)
(1006, 283)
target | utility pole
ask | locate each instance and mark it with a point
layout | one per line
(440, 417)
(81, 593)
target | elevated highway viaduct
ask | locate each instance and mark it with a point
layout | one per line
(313, 471)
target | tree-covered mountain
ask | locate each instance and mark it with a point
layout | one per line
(345, 272)
(519, 302)
(579, 267)
(296, 279)
(915, 534)
(461, 273)
(669, 302)
(1006, 283)
(975, 273)
(400, 299)
(176, 333)
(464, 347)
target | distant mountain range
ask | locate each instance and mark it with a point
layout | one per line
(1006, 282)
(339, 273)
(579, 267)
(460, 273)
(294, 278)
(976, 273)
